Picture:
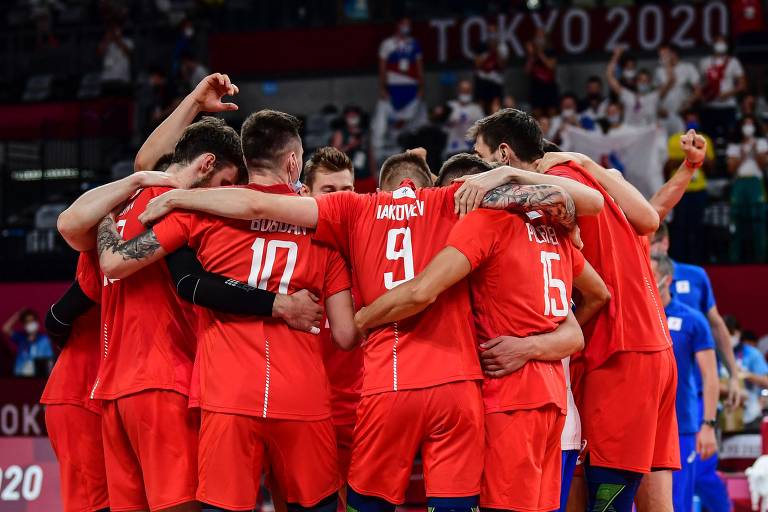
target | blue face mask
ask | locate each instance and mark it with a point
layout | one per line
(692, 125)
(296, 185)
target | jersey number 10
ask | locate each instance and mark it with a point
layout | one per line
(260, 274)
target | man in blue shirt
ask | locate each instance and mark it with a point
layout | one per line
(694, 347)
(754, 371)
(691, 285)
(29, 344)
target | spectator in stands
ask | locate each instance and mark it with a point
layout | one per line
(464, 113)
(754, 372)
(723, 80)
(749, 338)
(568, 116)
(756, 106)
(594, 103)
(185, 43)
(641, 105)
(115, 50)
(33, 349)
(351, 137)
(687, 226)
(678, 84)
(614, 118)
(401, 67)
(431, 136)
(626, 71)
(541, 67)
(747, 161)
(42, 14)
(192, 71)
(490, 61)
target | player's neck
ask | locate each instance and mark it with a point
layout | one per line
(266, 177)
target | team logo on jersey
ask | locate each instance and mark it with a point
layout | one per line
(404, 192)
(675, 323)
(683, 286)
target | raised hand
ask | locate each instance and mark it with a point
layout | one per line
(694, 146)
(211, 90)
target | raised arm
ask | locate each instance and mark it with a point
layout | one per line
(593, 294)
(120, 258)
(447, 268)
(506, 354)
(472, 193)
(234, 203)
(695, 148)
(610, 70)
(341, 317)
(77, 224)
(639, 212)
(206, 97)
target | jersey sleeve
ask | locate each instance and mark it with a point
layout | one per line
(337, 275)
(565, 171)
(335, 214)
(702, 338)
(173, 231)
(474, 237)
(707, 295)
(88, 275)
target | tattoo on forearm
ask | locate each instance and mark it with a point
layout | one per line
(108, 239)
(525, 198)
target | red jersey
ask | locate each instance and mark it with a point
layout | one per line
(345, 373)
(148, 332)
(248, 365)
(522, 276)
(634, 319)
(75, 371)
(388, 238)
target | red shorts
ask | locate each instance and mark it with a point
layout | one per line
(234, 449)
(150, 450)
(627, 408)
(523, 459)
(75, 435)
(345, 434)
(445, 422)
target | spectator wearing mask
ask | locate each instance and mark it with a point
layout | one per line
(192, 71)
(568, 116)
(594, 104)
(678, 84)
(185, 43)
(401, 67)
(115, 50)
(747, 161)
(464, 113)
(33, 349)
(754, 373)
(751, 105)
(541, 67)
(687, 226)
(351, 137)
(627, 70)
(723, 80)
(641, 106)
(613, 122)
(490, 60)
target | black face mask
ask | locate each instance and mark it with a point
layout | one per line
(594, 96)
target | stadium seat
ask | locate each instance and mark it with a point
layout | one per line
(38, 88)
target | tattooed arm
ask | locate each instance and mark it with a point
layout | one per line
(120, 258)
(551, 199)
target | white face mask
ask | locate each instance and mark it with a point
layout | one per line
(465, 98)
(613, 120)
(31, 327)
(735, 339)
(629, 74)
(720, 48)
(643, 88)
(568, 112)
(189, 32)
(748, 129)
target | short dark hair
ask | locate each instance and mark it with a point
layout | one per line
(516, 128)
(661, 233)
(461, 164)
(209, 135)
(265, 135)
(29, 312)
(163, 162)
(398, 167)
(326, 159)
(731, 323)
(595, 79)
(549, 147)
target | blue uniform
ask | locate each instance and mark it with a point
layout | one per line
(690, 334)
(691, 285)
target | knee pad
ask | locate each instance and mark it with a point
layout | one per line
(611, 489)
(359, 503)
(459, 504)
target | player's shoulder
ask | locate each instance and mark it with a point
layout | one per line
(690, 271)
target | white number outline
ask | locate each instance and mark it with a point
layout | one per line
(259, 276)
(550, 304)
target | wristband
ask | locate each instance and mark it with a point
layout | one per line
(692, 165)
(711, 423)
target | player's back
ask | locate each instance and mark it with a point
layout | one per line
(258, 366)
(522, 275)
(634, 319)
(388, 238)
(148, 333)
(75, 371)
